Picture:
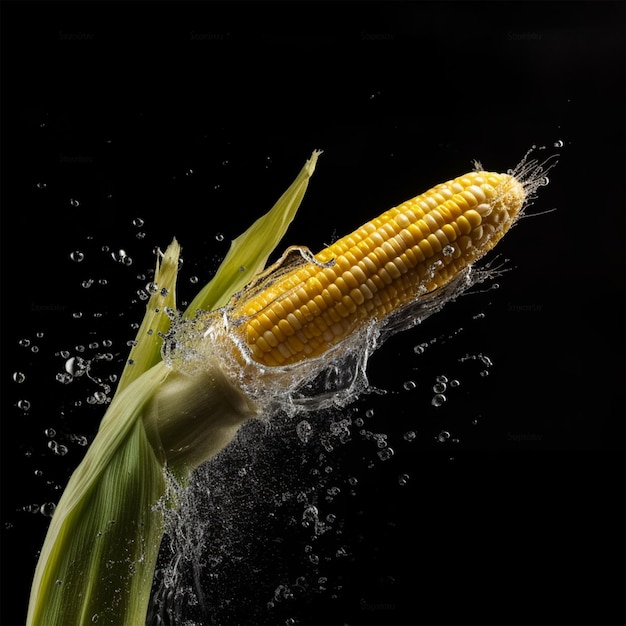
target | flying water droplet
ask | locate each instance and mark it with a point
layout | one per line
(77, 256)
(219, 237)
(138, 222)
(438, 400)
(409, 385)
(310, 516)
(403, 479)
(448, 250)
(48, 508)
(420, 348)
(386, 453)
(304, 431)
(559, 143)
(410, 435)
(19, 377)
(23, 404)
(75, 203)
(443, 436)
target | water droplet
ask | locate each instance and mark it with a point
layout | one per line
(50, 432)
(103, 282)
(24, 343)
(165, 292)
(219, 237)
(479, 316)
(48, 508)
(152, 288)
(38, 473)
(420, 348)
(87, 283)
(438, 400)
(369, 413)
(75, 203)
(138, 222)
(94, 618)
(225, 162)
(439, 387)
(310, 516)
(193, 280)
(140, 235)
(403, 479)
(474, 422)
(443, 436)
(484, 373)
(23, 404)
(121, 256)
(77, 315)
(454, 383)
(314, 559)
(485, 360)
(304, 431)
(353, 480)
(77, 256)
(410, 435)
(385, 454)
(42, 185)
(409, 384)
(559, 143)
(19, 377)
(448, 250)
(58, 582)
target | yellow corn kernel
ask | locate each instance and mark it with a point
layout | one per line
(409, 250)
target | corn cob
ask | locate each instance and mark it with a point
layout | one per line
(408, 251)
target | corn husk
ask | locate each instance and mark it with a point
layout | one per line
(99, 555)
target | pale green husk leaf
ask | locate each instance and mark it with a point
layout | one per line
(99, 555)
(147, 349)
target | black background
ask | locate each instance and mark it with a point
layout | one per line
(169, 112)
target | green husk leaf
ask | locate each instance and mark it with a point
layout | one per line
(249, 252)
(147, 349)
(100, 551)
